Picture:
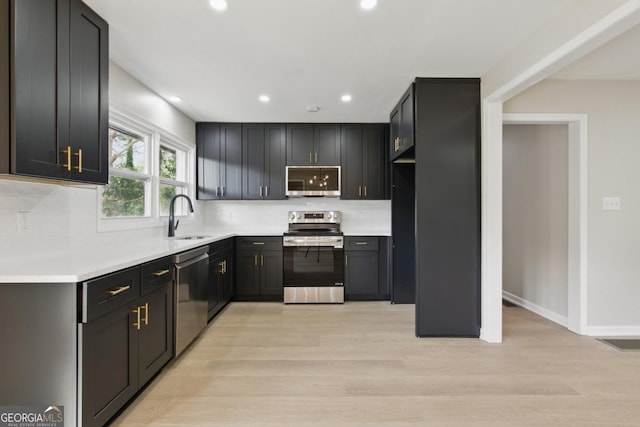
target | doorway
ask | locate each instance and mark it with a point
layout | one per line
(576, 224)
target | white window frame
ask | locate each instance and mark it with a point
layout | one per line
(154, 137)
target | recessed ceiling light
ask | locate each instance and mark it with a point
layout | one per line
(174, 98)
(264, 98)
(218, 4)
(368, 4)
(346, 98)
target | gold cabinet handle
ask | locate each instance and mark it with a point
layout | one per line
(78, 154)
(362, 243)
(359, 190)
(397, 144)
(160, 273)
(224, 263)
(316, 157)
(346, 259)
(261, 191)
(67, 152)
(266, 191)
(118, 290)
(261, 259)
(146, 313)
(255, 259)
(221, 265)
(365, 191)
(258, 243)
(137, 322)
(310, 161)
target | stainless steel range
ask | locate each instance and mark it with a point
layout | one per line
(314, 258)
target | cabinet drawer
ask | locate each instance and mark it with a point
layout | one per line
(361, 243)
(270, 243)
(156, 274)
(101, 295)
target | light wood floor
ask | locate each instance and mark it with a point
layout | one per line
(359, 364)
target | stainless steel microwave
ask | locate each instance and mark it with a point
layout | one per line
(313, 181)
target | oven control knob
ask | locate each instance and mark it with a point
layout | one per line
(292, 217)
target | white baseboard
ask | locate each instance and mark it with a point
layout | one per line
(614, 331)
(535, 308)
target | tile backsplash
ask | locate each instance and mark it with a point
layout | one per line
(47, 217)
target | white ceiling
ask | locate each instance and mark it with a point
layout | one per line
(310, 52)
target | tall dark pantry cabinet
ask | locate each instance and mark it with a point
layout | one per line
(444, 140)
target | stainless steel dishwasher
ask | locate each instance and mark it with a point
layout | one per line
(191, 303)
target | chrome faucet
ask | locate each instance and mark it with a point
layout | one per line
(173, 227)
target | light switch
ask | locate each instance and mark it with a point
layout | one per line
(24, 220)
(611, 204)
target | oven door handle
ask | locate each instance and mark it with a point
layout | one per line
(307, 244)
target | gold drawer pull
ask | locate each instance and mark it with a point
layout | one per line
(160, 272)
(258, 243)
(118, 291)
(362, 243)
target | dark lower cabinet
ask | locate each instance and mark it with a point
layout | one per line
(126, 344)
(155, 337)
(221, 265)
(109, 365)
(366, 273)
(259, 265)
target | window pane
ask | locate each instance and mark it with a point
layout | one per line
(127, 151)
(166, 194)
(167, 163)
(123, 197)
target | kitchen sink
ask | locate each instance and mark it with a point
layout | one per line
(191, 237)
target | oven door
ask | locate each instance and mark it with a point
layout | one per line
(313, 273)
(313, 266)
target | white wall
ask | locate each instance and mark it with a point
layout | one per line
(371, 217)
(62, 216)
(614, 150)
(535, 203)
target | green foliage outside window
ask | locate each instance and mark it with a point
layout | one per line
(125, 197)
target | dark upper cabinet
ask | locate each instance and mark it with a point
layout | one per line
(219, 163)
(57, 115)
(263, 161)
(401, 125)
(364, 166)
(313, 144)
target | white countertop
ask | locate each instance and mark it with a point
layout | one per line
(71, 266)
(89, 260)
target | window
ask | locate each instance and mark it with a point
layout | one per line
(127, 194)
(147, 168)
